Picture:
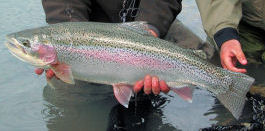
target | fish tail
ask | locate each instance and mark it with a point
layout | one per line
(234, 98)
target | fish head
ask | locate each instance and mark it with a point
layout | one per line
(31, 46)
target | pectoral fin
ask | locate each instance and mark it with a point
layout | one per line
(140, 27)
(123, 93)
(64, 72)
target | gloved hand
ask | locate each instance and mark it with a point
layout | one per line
(230, 53)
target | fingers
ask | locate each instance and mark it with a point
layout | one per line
(39, 71)
(151, 85)
(147, 84)
(229, 64)
(230, 53)
(153, 32)
(241, 57)
(163, 86)
(155, 85)
(138, 86)
(49, 74)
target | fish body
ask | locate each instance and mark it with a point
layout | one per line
(121, 54)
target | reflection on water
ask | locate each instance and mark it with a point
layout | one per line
(26, 105)
(94, 107)
(90, 106)
(85, 106)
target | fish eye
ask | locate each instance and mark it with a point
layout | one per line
(26, 43)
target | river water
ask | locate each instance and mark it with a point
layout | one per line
(28, 104)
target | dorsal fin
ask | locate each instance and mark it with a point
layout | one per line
(140, 27)
(200, 53)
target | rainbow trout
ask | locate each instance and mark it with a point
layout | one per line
(120, 54)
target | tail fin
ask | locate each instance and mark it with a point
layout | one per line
(234, 99)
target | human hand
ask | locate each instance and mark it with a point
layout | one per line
(151, 84)
(49, 73)
(152, 32)
(230, 53)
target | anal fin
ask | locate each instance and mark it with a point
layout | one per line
(182, 89)
(185, 93)
(123, 93)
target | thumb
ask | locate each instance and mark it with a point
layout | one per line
(241, 57)
(152, 32)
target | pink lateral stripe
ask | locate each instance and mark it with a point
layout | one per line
(124, 57)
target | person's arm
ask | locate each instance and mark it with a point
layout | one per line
(220, 20)
(159, 14)
(57, 11)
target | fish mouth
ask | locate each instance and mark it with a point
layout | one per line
(14, 46)
(10, 44)
(16, 49)
(13, 43)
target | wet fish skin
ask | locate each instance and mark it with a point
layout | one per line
(124, 53)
